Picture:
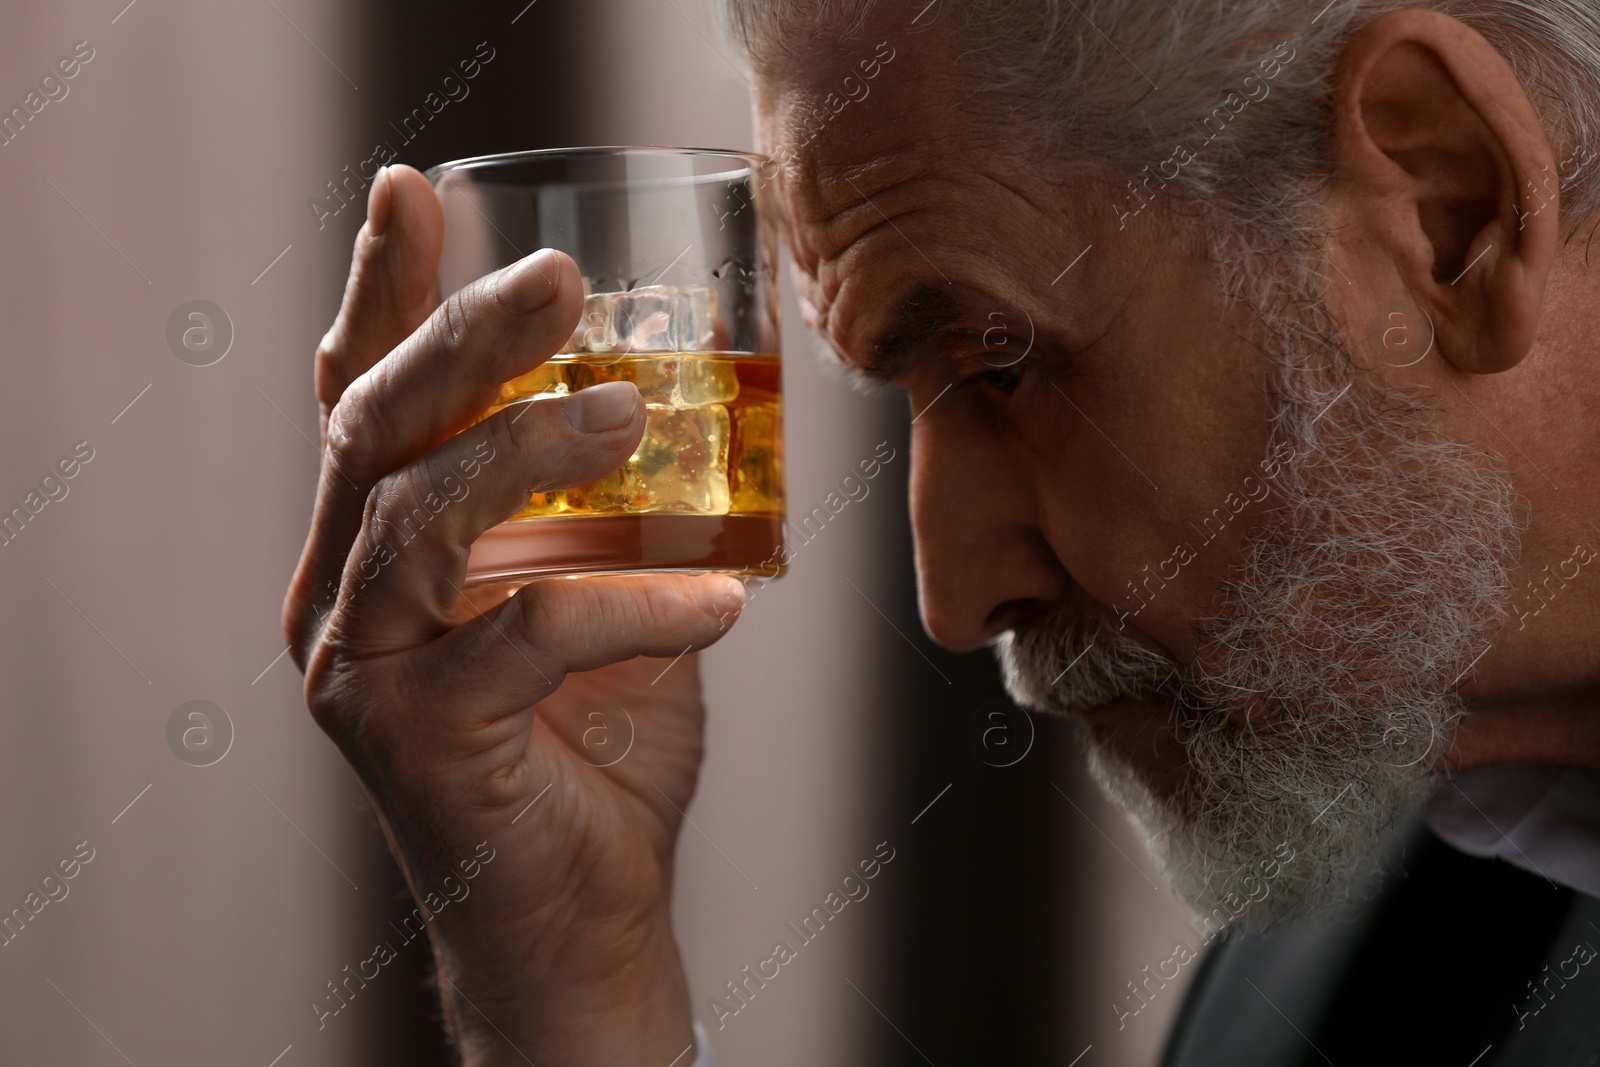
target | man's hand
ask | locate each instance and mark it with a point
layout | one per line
(456, 719)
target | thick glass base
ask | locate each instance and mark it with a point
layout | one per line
(514, 553)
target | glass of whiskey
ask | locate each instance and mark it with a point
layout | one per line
(681, 299)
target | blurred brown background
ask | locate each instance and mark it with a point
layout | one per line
(182, 164)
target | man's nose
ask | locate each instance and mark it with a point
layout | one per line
(983, 564)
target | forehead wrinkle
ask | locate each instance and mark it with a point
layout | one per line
(843, 202)
(852, 178)
(827, 248)
(847, 195)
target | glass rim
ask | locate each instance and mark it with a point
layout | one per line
(469, 164)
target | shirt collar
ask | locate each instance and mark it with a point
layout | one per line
(1541, 817)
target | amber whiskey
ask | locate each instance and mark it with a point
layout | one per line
(703, 491)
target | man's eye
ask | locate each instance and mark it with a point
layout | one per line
(1003, 379)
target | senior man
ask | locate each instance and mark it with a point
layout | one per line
(1252, 342)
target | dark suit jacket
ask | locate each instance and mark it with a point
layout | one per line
(1454, 961)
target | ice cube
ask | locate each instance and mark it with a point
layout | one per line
(682, 462)
(651, 318)
(697, 325)
(681, 465)
(704, 381)
(757, 459)
(681, 381)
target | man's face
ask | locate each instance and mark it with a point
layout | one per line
(1100, 488)
(1081, 394)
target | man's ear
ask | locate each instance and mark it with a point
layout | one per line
(1448, 172)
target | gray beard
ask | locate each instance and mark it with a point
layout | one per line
(1322, 694)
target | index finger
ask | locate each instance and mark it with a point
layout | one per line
(391, 288)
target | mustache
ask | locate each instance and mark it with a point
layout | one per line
(1065, 663)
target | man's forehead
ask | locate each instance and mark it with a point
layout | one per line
(832, 199)
(902, 214)
(850, 117)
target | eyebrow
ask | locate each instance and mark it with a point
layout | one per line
(918, 315)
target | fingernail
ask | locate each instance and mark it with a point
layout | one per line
(380, 203)
(531, 283)
(608, 406)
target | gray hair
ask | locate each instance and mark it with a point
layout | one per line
(1116, 83)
